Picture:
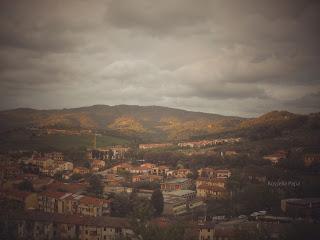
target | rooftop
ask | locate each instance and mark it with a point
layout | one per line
(177, 180)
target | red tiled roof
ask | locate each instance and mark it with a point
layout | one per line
(87, 200)
(55, 195)
(211, 188)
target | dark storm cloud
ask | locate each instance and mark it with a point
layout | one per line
(231, 57)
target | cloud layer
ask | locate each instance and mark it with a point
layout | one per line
(230, 57)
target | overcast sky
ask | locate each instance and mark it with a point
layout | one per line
(240, 57)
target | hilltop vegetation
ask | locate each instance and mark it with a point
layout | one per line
(155, 124)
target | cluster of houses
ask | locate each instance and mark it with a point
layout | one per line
(107, 153)
(207, 143)
(191, 144)
(277, 156)
(57, 197)
(212, 183)
(42, 225)
(49, 163)
(61, 210)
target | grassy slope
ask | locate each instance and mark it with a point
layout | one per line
(25, 141)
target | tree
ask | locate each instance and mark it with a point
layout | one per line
(121, 205)
(25, 185)
(157, 201)
(96, 186)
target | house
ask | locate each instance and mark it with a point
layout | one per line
(277, 156)
(98, 164)
(49, 202)
(160, 170)
(214, 173)
(87, 206)
(182, 173)
(109, 189)
(108, 153)
(223, 173)
(65, 166)
(176, 184)
(229, 230)
(214, 182)
(311, 158)
(43, 163)
(139, 170)
(121, 167)
(148, 165)
(196, 144)
(146, 178)
(230, 153)
(206, 191)
(55, 156)
(207, 172)
(81, 170)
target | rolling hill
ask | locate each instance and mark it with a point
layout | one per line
(154, 123)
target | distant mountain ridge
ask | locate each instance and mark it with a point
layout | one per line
(153, 123)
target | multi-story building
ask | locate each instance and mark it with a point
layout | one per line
(160, 170)
(176, 184)
(214, 182)
(55, 156)
(147, 178)
(68, 203)
(40, 225)
(214, 173)
(205, 191)
(81, 170)
(108, 153)
(98, 164)
(65, 166)
(180, 173)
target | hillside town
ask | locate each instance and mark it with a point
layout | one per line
(201, 184)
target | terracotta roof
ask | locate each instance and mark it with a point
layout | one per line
(87, 200)
(212, 180)
(211, 188)
(56, 195)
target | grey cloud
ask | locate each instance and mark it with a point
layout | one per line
(230, 57)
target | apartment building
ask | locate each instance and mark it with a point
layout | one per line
(69, 203)
(39, 225)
